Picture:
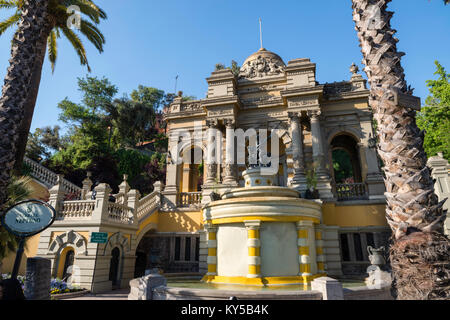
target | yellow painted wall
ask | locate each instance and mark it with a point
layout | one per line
(40, 192)
(180, 221)
(354, 216)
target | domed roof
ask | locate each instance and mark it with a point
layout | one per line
(265, 54)
(262, 63)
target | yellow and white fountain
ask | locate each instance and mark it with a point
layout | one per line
(263, 235)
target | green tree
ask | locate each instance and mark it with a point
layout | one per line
(18, 190)
(434, 117)
(54, 26)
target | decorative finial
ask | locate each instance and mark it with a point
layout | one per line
(354, 69)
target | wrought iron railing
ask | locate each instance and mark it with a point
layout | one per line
(351, 191)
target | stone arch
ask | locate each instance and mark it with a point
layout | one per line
(117, 240)
(349, 131)
(147, 228)
(70, 238)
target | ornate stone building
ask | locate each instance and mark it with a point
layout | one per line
(317, 118)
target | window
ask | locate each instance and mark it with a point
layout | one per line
(358, 247)
(177, 248)
(370, 239)
(197, 248)
(344, 247)
(187, 249)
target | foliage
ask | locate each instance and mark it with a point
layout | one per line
(43, 141)
(59, 17)
(58, 286)
(434, 117)
(130, 162)
(342, 165)
(234, 67)
(153, 171)
(18, 190)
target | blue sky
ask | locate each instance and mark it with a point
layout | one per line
(150, 42)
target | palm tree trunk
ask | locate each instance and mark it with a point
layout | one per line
(420, 254)
(17, 83)
(30, 103)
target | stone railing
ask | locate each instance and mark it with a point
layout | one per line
(120, 213)
(49, 178)
(351, 191)
(189, 199)
(79, 209)
(147, 205)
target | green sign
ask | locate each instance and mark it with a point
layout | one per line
(99, 237)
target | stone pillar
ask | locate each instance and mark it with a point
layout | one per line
(230, 163)
(203, 252)
(374, 179)
(323, 177)
(299, 179)
(87, 185)
(304, 248)
(57, 194)
(254, 248)
(101, 202)
(37, 280)
(172, 180)
(440, 172)
(211, 161)
(124, 187)
(320, 256)
(133, 202)
(212, 250)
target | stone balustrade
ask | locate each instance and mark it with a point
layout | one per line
(49, 178)
(80, 209)
(189, 199)
(121, 213)
(148, 204)
(351, 191)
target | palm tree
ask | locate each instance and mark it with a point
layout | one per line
(58, 16)
(420, 253)
(18, 190)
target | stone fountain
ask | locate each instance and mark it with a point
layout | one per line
(263, 235)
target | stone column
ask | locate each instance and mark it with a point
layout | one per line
(299, 179)
(320, 257)
(57, 194)
(203, 252)
(230, 164)
(323, 178)
(211, 163)
(440, 172)
(133, 202)
(212, 250)
(37, 280)
(172, 180)
(304, 249)
(101, 202)
(254, 248)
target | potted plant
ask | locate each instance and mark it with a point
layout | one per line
(311, 183)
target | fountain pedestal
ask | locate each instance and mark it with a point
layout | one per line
(263, 235)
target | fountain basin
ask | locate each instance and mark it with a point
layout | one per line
(263, 235)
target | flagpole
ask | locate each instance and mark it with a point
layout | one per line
(260, 32)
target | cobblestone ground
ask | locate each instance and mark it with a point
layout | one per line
(120, 294)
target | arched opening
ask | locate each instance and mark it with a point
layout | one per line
(191, 176)
(345, 159)
(141, 264)
(66, 259)
(346, 164)
(67, 272)
(114, 267)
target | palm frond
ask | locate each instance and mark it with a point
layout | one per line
(77, 45)
(8, 23)
(52, 48)
(93, 34)
(8, 4)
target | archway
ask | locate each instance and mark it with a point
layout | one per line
(114, 266)
(345, 160)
